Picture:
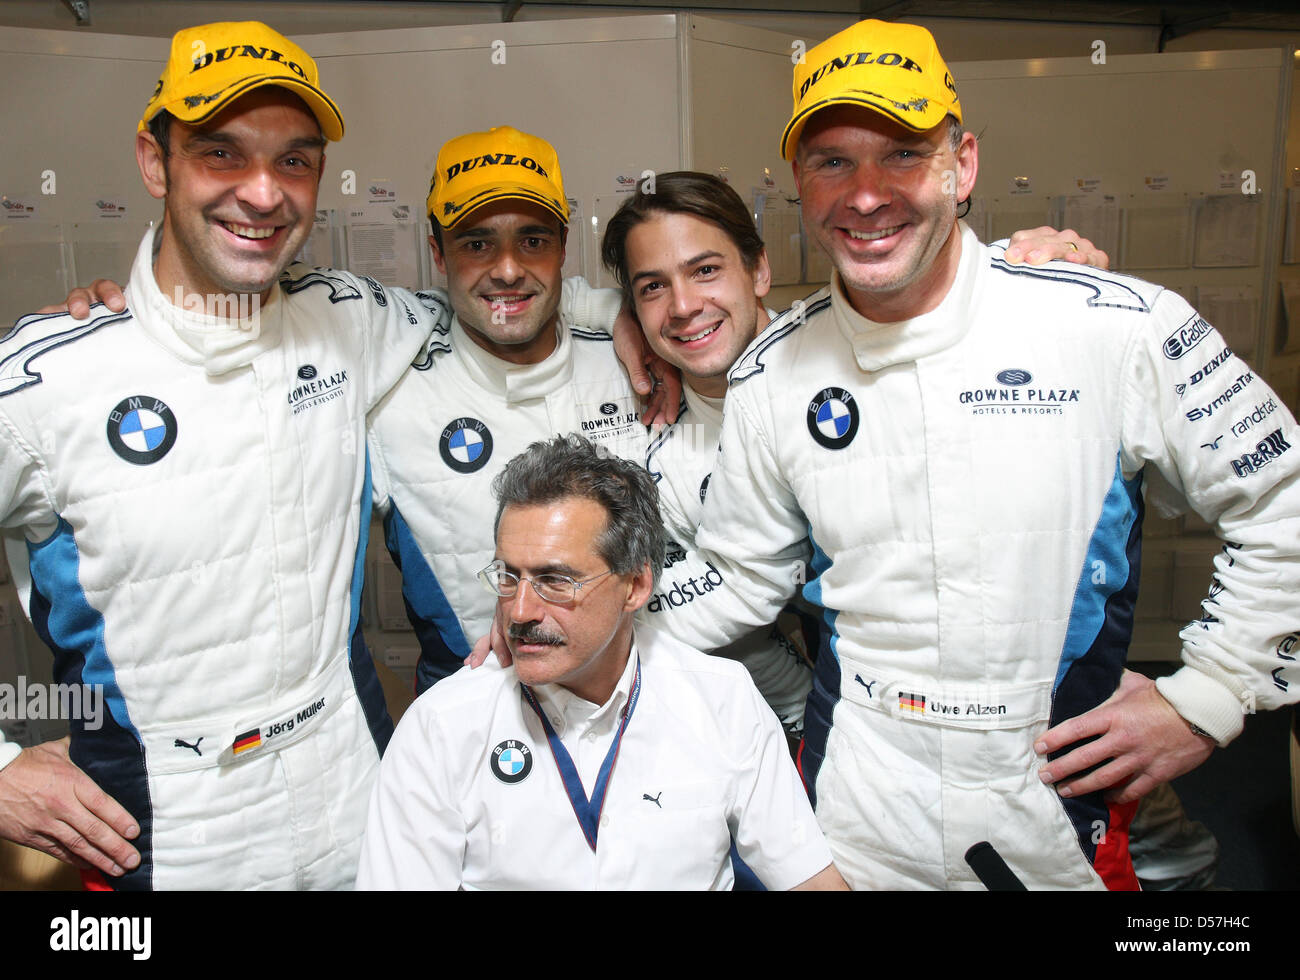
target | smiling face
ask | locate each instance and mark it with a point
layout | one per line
(240, 194)
(582, 645)
(698, 304)
(881, 200)
(503, 265)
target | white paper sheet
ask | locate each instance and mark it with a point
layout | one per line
(1227, 231)
(1234, 310)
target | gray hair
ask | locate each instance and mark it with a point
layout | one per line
(955, 132)
(570, 466)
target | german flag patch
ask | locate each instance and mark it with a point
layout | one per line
(249, 740)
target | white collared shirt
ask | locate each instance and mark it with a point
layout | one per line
(469, 794)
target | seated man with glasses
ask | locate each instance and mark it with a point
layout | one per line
(605, 756)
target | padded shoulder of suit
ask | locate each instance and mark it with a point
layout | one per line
(751, 361)
(39, 334)
(1098, 288)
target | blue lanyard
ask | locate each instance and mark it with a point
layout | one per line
(587, 811)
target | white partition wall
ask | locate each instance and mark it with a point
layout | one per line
(1147, 152)
(615, 97)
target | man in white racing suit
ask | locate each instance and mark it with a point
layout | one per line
(970, 482)
(517, 364)
(190, 489)
(524, 358)
(694, 269)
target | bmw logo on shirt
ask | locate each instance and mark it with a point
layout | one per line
(511, 761)
(465, 445)
(833, 418)
(141, 429)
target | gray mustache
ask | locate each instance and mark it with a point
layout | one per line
(532, 633)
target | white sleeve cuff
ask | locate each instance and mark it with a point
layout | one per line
(1204, 702)
(796, 867)
(9, 751)
(591, 309)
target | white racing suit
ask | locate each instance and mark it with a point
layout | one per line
(681, 460)
(451, 425)
(191, 500)
(448, 428)
(970, 481)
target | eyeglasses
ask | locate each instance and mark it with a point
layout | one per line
(550, 587)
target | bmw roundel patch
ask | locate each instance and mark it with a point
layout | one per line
(465, 445)
(833, 418)
(511, 761)
(141, 429)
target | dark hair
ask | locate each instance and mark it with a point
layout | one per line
(160, 128)
(570, 466)
(681, 192)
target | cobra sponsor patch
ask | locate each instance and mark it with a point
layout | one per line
(465, 444)
(141, 429)
(833, 418)
(511, 761)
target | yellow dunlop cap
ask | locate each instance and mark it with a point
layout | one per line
(478, 168)
(894, 69)
(212, 65)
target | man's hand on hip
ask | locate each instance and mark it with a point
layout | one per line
(49, 804)
(1142, 743)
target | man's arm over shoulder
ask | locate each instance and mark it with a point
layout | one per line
(590, 308)
(394, 324)
(415, 834)
(752, 539)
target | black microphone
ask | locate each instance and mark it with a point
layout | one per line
(989, 867)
